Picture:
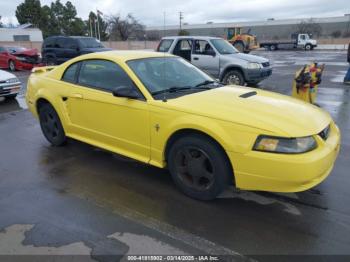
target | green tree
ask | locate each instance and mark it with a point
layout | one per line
(91, 28)
(30, 12)
(56, 19)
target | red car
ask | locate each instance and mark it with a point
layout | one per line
(19, 58)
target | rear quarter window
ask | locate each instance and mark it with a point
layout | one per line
(71, 73)
(165, 45)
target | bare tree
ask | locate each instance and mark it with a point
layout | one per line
(153, 35)
(125, 28)
(309, 27)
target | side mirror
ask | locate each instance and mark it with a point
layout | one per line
(210, 52)
(127, 92)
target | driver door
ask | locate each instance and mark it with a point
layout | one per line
(205, 57)
(302, 39)
(116, 123)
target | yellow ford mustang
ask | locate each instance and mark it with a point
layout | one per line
(160, 109)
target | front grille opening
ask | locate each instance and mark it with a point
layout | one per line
(324, 134)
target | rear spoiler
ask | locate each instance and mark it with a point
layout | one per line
(42, 69)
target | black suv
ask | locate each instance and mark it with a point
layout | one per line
(58, 49)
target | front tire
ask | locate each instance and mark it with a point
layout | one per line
(12, 66)
(308, 47)
(233, 77)
(51, 126)
(199, 167)
(11, 97)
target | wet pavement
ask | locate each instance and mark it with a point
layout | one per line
(80, 200)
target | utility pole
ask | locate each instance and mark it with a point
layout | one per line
(181, 17)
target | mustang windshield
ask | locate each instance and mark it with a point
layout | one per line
(169, 74)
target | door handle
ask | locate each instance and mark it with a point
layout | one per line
(195, 58)
(80, 96)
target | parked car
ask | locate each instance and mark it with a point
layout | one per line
(9, 85)
(19, 58)
(303, 41)
(163, 111)
(59, 49)
(218, 58)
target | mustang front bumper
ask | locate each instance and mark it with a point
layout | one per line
(286, 172)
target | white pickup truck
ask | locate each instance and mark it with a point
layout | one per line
(303, 41)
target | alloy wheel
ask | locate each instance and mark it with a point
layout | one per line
(50, 125)
(194, 168)
(233, 80)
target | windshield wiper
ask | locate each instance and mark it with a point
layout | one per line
(173, 89)
(206, 82)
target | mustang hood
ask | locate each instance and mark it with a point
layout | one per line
(279, 114)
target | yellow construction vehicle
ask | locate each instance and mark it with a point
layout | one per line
(243, 42)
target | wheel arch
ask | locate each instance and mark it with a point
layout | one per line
(233, 67)
(41, 100)
(191, 131)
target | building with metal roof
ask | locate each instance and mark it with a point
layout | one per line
(270, 28)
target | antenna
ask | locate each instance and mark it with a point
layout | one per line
(164, 34)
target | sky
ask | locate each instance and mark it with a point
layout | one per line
(151, 12)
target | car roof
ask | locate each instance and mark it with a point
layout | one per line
(65, 36)
(191, 37)
(124, 55)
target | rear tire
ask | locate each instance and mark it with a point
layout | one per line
(51, 126)
(233, 77)
(12, 65)
(199, 167)
(50, 61)
(239, 46)
(273, 47)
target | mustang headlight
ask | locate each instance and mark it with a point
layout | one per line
(254, 66)
(285, 145)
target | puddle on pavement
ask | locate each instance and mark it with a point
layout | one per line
(339, 77)
(11, 243)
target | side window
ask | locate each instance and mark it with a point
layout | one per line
(165, 45)
(201, 47)
(302, 37)
(49, 42)
(184, 45)
(70, 73)
(102, 74)
(59, 42)
(70, 43)
(183, 48)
